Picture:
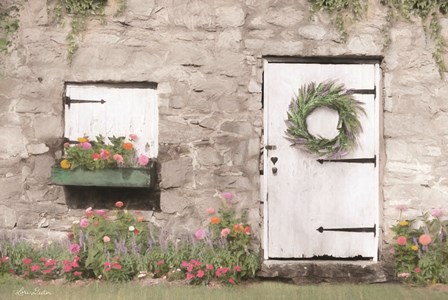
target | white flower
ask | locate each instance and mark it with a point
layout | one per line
(131, 228)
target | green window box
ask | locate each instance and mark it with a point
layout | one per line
(118, 177)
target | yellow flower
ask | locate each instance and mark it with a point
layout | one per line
(82, 140)
(403, 223)
(65, 164)
(414, 247)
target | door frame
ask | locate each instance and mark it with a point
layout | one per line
(379, 136)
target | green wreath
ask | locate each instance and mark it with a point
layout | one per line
(334, 96)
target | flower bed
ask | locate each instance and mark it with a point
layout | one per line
(118, 245)
(421, 249)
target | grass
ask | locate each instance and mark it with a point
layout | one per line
(13, 288)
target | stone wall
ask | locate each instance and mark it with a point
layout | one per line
(206, 57)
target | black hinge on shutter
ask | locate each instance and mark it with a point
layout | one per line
(68, 101)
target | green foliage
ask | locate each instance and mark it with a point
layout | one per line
(429, 11)
(9, 24)
(421, 250)
(343, 10)
(331, 95)
(80, 11)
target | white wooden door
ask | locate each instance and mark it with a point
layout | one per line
(341, 198)
(125, 110)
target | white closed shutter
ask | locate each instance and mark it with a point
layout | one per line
(113, 110)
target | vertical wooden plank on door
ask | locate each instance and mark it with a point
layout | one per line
(304, 195)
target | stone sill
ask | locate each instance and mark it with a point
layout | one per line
(318, 271)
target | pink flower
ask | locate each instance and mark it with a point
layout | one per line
(118, 158)
(225, 232)
(227, 195)
(401, 240)
(84, 223)
(247, 230)
(190, 276)
(116, 266)
(237, 269)
(184, 264)
(104, 154)
(100, 212)
(107, 266)
(200, 274)
(35, 268)
(74, 248)
(401, 207)
(5, 259)
(231, 281)
(48, 271)
(195, 263)
(417, 270)
(210, 211)
(26, 261)
(106, 239)
(50, 262)
(209, 267)
(133, 137)
(199, 234)
(119, 204)
(160, 262)
(143, 160)
(437, 213)
(77, 273)
(404, 275)
(67, 267)
(424, 239)
(86, 145)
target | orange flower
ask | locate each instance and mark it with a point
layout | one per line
(127, 146)
(424, 239)
(65, 164)
(215, 220)
(238, 227)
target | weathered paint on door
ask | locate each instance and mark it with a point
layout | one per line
(304, 195)
(126, 110)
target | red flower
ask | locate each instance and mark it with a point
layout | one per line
(209, 267)
(231, 281)
(237, 269)
(417, 270)
(190, 276)
(247, 230)
(77, 273)
(96, 156)
(5, 259)
(119, 204)
(26, 261)
(50, 262)
(43, 259)
(116, 266)
(136, 231)
(160, 262)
